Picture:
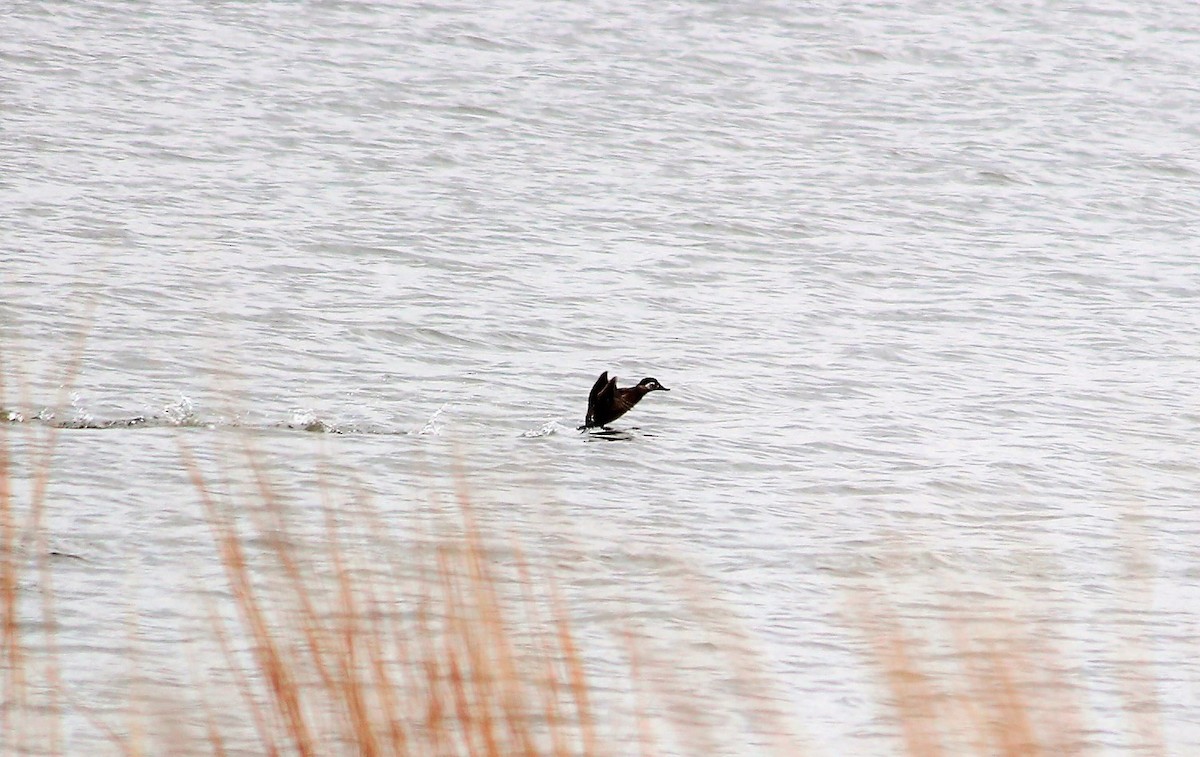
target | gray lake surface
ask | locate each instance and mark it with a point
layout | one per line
(923, 279)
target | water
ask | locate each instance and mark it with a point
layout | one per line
(921, 277)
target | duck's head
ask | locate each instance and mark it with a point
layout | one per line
(651, 384)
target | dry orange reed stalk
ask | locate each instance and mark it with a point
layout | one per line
(16, 539)
(987, 683)
(327, 655)
(479, 656)
(348, 666)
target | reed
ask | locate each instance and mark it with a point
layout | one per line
(457, 642)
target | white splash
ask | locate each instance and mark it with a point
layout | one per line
(80, 416)
(546, 429)
(303, 418)
(432, 427)
(180, 412)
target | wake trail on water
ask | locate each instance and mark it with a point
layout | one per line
(183, 414)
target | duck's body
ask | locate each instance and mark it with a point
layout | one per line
(607, 402)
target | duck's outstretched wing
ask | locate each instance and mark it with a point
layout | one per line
(602, 395)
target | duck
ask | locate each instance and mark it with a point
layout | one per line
(607, 402)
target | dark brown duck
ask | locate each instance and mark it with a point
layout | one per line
(606, 403)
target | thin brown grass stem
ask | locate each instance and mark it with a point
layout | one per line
(1138, 690)
(493, 656)
(468, 568)
(50, 634)
(391, 692)
(240, 681)
(752, 685)
(134, 706)
(271, 663)
(355, 708)
(284, 690)
(910, 688)
(645, 730)
(975, 711)
(518, 710)
(387, 690)
(463, 707)
(458, 648)
(37, 507)
(548, 684)
(276, 533)
(575, 673)
(10, 644)
(352, 688)
(213, 733)
(12, 658)
(679, 698)
(118, 741)
(435, 710)
(1015, 734)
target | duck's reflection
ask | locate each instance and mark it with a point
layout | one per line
(616, 434)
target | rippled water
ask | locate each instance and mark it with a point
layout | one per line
(922, 279)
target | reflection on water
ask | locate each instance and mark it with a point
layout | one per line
(617, 434)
